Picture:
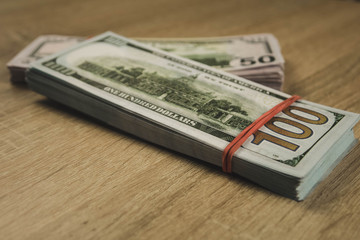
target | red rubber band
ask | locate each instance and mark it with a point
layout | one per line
(235, 144)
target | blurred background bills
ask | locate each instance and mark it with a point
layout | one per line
(255, 57)
(42, 46)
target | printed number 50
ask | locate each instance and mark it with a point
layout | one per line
(252, 60)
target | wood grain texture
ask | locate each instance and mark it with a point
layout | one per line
(66, 176)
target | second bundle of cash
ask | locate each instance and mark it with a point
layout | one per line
(197, 110)
(255, 57)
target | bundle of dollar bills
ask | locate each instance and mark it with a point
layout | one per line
(42, 46)
(255, 57)
(197, 110)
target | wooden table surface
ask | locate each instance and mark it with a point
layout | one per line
(66, 176)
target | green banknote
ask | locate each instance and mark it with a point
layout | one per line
(256, 56)
(231, 53)
(197, 102)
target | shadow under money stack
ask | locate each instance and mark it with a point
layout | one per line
(197, 110)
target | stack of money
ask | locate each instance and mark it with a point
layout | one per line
(197, 110)
(39, 48)
(255, 57)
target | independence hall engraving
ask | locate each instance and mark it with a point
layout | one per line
(175, 91)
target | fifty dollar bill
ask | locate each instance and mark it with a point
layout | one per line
(256, 57)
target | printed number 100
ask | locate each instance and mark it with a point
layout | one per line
(304, 133)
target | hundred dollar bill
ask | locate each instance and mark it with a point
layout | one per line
(256, 57)
(197, 110)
